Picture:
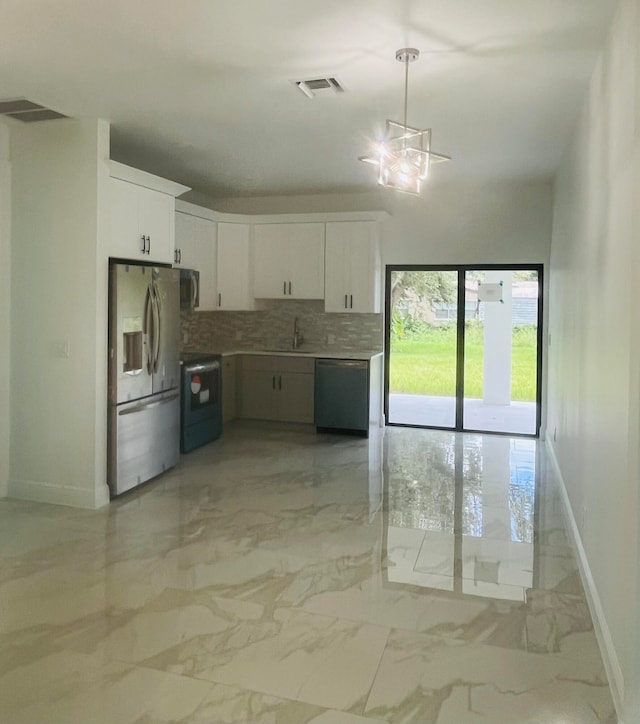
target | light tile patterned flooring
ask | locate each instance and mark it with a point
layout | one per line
(279, 576)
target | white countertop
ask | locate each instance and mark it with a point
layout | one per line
(316, 354)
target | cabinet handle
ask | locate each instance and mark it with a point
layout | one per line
(345, 301)
(175, 256)
(351, 299)
(148, 245)
(180, 256)
(280, 382)
(219, 299)
(289, 288)
(284, 287)
(144, 245)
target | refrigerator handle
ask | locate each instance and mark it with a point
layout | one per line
(156, 327)
(148, 329)
(147, 405)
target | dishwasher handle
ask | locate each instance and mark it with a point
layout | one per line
(343, 363)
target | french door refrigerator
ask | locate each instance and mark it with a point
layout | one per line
(144, 374)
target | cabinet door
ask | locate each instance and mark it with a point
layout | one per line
(295, 397)
(137, 212)
(305, 245)
(352, 281)
(229, 396)
(364, 267)
(234, 267)
(271, 264)
(156, 219)
(205, 263)
(289, 261)
(125, 238)
(185, 241)
(196, 249)
(258, 394)
(337, 261)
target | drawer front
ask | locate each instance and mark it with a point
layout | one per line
(303, 365)
(258, 363)
(270, 363)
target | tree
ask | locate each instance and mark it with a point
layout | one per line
(431, 287)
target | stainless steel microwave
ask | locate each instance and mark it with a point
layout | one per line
(189, 289)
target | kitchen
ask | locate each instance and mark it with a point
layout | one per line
(66, 165)
(233, 263)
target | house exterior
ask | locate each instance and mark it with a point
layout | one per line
(584, 228)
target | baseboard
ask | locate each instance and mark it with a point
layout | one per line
(43, 492)
(603, 634)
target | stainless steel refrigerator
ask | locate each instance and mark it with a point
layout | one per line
(144, 374)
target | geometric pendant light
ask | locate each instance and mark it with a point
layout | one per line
(404, 156)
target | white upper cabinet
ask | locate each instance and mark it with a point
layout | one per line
(234, 267)
(352, 273)
(289, 261)
(196, 249)
(142, 215)
(185, 253)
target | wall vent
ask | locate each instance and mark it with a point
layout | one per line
(27, 111)
(320, 86)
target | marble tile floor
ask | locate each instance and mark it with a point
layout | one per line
(279, 576)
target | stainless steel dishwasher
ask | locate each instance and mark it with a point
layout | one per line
(342, 395)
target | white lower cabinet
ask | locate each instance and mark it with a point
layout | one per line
(276, 388)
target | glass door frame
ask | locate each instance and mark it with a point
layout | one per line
(461, 270)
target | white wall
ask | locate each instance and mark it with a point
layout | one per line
(5, 304)
(58, 313)
(490, 223)
(594, 354)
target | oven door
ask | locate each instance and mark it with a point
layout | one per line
(201, 388)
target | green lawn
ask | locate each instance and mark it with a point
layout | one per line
(425, 363)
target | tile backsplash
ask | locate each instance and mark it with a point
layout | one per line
(272, 328)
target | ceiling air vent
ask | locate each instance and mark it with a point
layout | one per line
(27, 111)
(320, 86)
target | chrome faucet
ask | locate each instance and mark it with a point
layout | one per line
(298, 339)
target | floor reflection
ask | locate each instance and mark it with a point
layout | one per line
(461, 512)
(418, 577)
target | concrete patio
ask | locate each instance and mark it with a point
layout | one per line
(518, 418)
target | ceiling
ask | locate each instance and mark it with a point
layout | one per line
(200, 91)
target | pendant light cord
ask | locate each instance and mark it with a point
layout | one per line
(406, 100)
(406, 90)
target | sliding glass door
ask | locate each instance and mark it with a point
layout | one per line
(423, 347)
(463, 348)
